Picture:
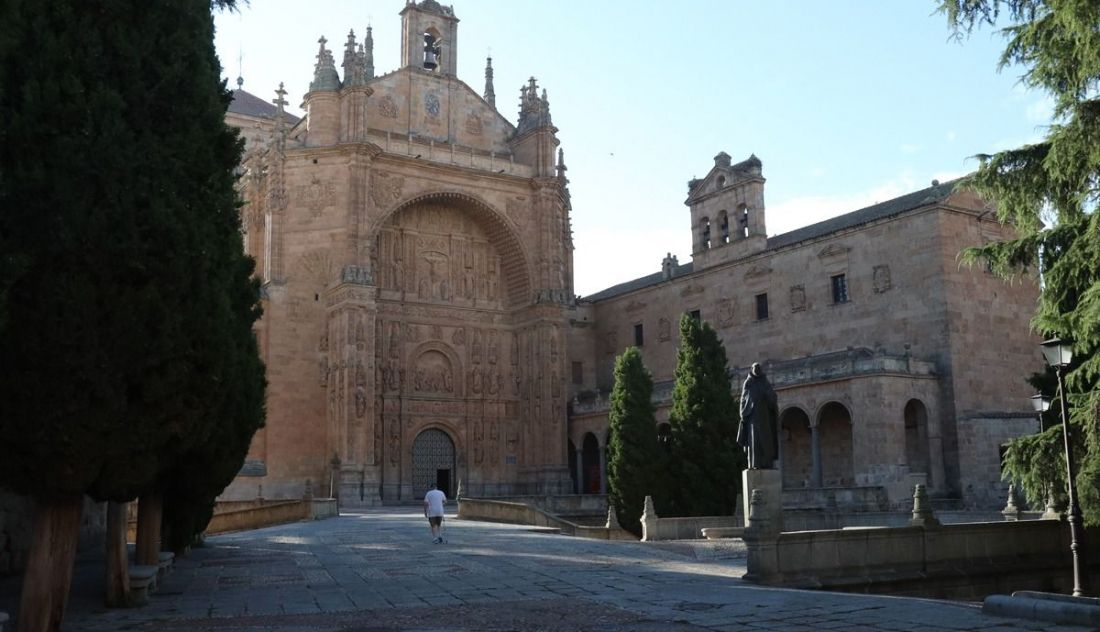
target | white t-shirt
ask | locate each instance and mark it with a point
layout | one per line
(435, 499)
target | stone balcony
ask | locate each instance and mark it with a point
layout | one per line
(813, 369)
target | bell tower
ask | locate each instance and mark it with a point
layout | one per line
(429, 37)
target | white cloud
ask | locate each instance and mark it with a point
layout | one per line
(604, 257)
(909, 148)
(818, 172)
(802, 211)
(951, 136)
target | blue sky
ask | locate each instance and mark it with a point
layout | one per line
(846, 102)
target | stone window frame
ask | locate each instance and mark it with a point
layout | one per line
(838, 285)
(762, 311)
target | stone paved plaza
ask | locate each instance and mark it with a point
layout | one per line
(380, 572)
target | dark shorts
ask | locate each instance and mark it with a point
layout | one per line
(435, 521)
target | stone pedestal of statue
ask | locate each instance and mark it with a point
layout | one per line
(770, 485)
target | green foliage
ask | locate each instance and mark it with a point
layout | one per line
(1035, 463)
(706, 462)
(633, 459)
(129, 302)
(1048, 191)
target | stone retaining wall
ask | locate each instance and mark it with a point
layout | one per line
(958, 561)
(521, 513)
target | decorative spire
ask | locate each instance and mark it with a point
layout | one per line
(544, 109)
(280, 99)
(324, 73)
(280, 117)
(490, 94)
(534, 111)
(561, 163)
(368, 59)
(240, 82)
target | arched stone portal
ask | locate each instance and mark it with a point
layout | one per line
(590, 464)
(433, 462)
(835, 429)
(916, 437)
(796, 449)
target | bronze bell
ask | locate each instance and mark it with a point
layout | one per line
(431, 52)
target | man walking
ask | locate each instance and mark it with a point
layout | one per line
(433, 510)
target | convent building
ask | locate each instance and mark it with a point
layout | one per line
(420, 326)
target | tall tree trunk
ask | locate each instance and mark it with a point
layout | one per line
(150, 509)
(50, 564)
(118, 566)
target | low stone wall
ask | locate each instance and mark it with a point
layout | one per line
(571, 504)
(271, 513)
(253, 514)
(494, 510)
(684, 528)
(959, 561)
(808, 520)
(838, 498)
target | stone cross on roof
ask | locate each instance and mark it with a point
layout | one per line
(280, 98)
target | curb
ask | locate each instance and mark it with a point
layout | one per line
(1050, 607)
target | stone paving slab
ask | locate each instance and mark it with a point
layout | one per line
(379, 571)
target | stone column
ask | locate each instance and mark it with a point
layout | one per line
(580, 471)
(603, 471)
(351, 313)
(815, 455)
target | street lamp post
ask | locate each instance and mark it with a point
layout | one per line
(1058, 355)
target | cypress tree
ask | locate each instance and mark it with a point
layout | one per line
(706, 463)
(128, 307)
(1047, 190)
(632, 452)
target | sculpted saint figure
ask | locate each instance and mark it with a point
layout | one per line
(757, 433)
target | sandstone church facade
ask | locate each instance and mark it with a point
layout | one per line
(420, 325)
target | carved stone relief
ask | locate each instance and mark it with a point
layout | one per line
(315, 196)
(385, 188)
(315, 265)
(433, 276)
(473, 124)
(387, 107)
(439, 254)
(833, 251)
(692, 289)
(433, 374)
(494, 346)
(663, 330)
(758, 270)
(798, 298)
(611, 342)
(726, 312)
(475, 348)
(395, 440)
(882, 279)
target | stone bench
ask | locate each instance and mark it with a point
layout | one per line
(143, 581)
(167, 558)
(719, 533)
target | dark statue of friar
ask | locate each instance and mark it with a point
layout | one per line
(758, 433)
